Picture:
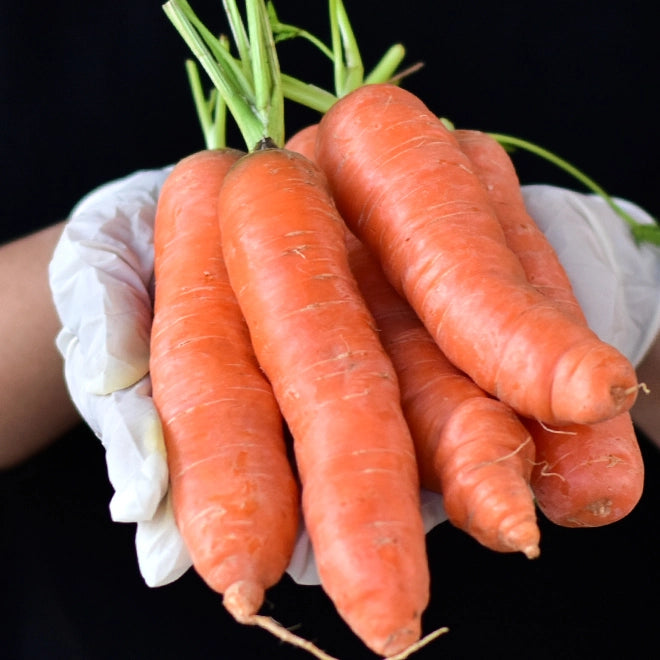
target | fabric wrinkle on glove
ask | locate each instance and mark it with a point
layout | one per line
(101, 276)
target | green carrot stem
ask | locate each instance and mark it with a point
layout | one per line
(251, 88)
(211, 111)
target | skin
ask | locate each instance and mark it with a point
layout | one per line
(646, 411)
(35, 408)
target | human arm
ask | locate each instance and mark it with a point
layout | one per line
(646, 411)
(35, 406)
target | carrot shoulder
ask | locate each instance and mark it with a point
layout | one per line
(407, 191)
(586, 475)
(283, 242)
(234, 494)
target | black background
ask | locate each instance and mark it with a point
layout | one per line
(92, 91)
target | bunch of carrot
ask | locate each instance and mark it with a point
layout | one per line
(377, 285)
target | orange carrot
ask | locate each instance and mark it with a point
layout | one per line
(406, 189)
(234, 494)
(471, 448)
(284, 247)
(304, 141)
(585, 475)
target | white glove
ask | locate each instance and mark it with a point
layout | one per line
(616, 281)
(101, 276)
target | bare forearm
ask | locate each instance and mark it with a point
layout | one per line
(646, 411)
(34, 404)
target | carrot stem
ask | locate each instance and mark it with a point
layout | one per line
(348, 67)
(211, 111)
(285, 31)
(251, 89)
(344, 53)
(307, 95)
(385, 69)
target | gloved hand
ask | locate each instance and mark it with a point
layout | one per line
(101, 277)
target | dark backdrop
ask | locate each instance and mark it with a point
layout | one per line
(91, 91)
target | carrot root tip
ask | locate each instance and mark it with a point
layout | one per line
(624, 397)
(531, 551)
(285, 635)
(523, 537)
(243, 599)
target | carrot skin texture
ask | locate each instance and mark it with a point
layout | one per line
(488, 464)
(303, 141)
(235, 498)
(315, 340)
(539, 260)
(432, 390)
(407, 191)
(472, 449)
(586, 475)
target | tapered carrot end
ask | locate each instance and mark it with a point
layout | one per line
(525, 538)
(593, 386)
(243, 599)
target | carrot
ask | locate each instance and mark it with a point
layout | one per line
(482, 463)
(316, 342)
(470, 448)
(585, 475)
(304, 141)
(283, 245)
(234, 494)
(497, 173)
(407, 191)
